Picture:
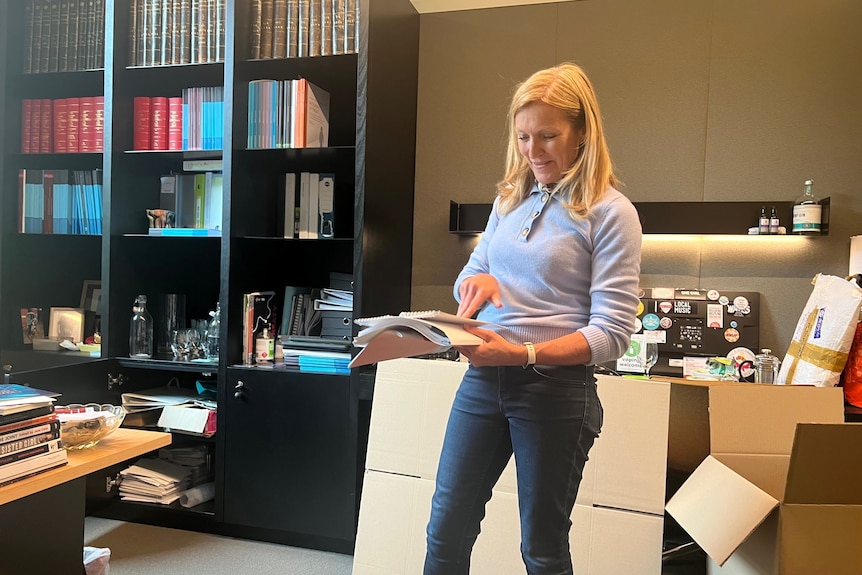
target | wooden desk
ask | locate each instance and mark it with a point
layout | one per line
(42, 517)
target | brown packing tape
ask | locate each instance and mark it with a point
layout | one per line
(806, 331)
(818, 356)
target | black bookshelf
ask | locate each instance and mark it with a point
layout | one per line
(280, 427)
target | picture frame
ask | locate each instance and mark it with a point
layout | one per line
(66, 323)
(91, 296)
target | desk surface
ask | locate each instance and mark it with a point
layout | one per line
(121, 445)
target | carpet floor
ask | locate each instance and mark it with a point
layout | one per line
(138, 549)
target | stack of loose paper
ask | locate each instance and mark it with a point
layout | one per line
(154, 481)
(410, 334)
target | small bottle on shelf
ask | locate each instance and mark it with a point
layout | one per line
(773, 221)
(213, 329)
(807, 211)
(763, 222)
(141, 330)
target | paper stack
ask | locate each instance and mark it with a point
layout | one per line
(154, 481)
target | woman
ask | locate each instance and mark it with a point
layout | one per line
(559, 264)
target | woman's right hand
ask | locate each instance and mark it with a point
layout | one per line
(475, 291)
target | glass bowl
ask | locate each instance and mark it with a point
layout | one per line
(84, 425)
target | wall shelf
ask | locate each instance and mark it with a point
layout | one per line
(692, 218)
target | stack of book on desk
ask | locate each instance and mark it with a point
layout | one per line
(29, 433)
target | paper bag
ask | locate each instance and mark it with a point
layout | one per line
(821, 342)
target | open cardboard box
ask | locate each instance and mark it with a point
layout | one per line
(776, 495)
(655, 434)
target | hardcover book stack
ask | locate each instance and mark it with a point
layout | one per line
(29, 433)
(299, 28)
(165, 32)
(65, 125)
(63, 36)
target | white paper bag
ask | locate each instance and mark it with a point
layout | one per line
(823, 335)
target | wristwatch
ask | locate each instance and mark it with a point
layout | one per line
(531, 354)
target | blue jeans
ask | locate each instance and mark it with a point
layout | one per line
(548, 417)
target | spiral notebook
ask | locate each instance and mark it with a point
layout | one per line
(409, 334)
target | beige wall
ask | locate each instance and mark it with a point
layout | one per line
(704, 100)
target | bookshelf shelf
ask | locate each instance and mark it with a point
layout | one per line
(372, 118)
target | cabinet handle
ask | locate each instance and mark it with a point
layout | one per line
(239, 387)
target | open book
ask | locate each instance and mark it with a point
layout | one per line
(409, 334)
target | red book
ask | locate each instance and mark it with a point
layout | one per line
(86, 137)
(159, 122)
(175, 123)
(45, 136)
(35, 125)
(73, 137)
(99, 125)
(141, 128)
(61, 126)
(48, 198)
(26, 125)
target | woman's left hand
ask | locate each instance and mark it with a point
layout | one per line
(494, 350)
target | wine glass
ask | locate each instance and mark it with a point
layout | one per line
(650, 356)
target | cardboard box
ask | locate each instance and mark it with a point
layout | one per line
(619, 514)
(776, 495)
(655, 434)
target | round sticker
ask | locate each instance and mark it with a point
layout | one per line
(651, 321)
(665, 307)
(640, 308)
(712, 294)
(666, 323)
(734, 324)
(638, 324)
(740, 302)
(634, 348)
(740, 354)
(731, 335)
(723, 300)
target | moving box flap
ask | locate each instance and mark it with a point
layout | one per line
(767, 472)
(762, 418)
(825, 467)
(719, 508)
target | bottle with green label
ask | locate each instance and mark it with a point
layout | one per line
(807, 211)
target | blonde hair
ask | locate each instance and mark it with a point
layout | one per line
(566, 87)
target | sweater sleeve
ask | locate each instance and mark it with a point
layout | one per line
(478, 261)
(616, 262)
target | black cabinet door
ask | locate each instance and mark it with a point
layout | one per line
(290, 453)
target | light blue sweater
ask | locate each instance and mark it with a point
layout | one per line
(558, 275)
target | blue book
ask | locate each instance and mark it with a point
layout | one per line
(184, 232)
(14, 394)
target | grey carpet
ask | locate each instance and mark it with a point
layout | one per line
(146, 550)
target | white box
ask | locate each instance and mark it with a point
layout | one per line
(619, 514)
